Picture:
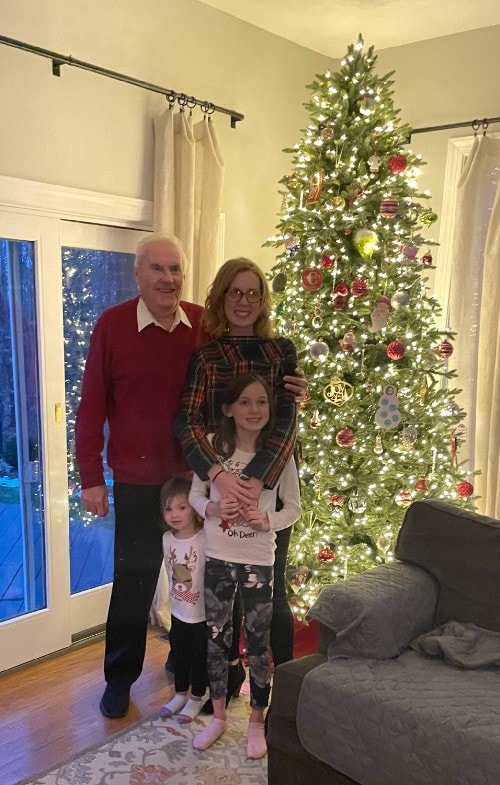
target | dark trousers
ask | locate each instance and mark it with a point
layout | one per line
(282, 626)
(188, 644)
(138, 556)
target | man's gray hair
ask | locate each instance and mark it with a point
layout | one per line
(155, 237)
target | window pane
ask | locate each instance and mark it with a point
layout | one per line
(92, 281)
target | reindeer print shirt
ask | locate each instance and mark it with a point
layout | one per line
(185, 564)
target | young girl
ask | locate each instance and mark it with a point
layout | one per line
(240, 549)
(184, 553)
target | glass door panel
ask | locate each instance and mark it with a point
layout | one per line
(97, 272)
(22, 539)
(34, 574)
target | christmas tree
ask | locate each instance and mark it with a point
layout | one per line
(381, 427)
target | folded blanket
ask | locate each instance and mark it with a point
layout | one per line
(461, 644)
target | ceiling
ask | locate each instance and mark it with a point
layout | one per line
(329, 26)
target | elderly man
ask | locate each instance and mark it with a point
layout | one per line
(135, 368)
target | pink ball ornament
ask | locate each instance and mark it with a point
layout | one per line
(388, 208)
(345, 438)
(445, 350)
(395, 350)
(358, 287)
(410, 251)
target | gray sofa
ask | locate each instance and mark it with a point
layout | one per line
(405, 687)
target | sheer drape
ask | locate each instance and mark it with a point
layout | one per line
(188, 181)
(474, 307)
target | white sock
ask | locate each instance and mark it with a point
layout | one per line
(212, 732)
(172, 707)
(190, 710)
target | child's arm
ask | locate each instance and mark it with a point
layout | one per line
(289, 494)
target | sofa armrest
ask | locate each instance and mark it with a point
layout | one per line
(377, 613)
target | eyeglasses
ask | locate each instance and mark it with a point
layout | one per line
(252, 295)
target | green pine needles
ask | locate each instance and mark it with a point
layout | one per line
(381, 427)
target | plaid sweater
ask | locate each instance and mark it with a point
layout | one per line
(210, 369)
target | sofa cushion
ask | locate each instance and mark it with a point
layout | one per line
(461, 549)
(377, 613)
(412, 720)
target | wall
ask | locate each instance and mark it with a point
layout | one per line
(90, 132)
(439, 81)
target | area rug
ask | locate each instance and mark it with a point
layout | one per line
(158, 751)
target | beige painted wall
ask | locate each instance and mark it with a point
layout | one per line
(89, 132)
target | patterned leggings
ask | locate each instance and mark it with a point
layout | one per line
(222, 579)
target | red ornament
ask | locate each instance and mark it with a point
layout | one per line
(341, 288)
(312, 278)
(358, 287)
(339, 302)
(336, 500)
(465, 489)
(345, 438)
(426, 259)
(325, 555)
(395, 350)
(388, 208)
(445, 350)
(421, 484)
(326, 261)
(397, 164)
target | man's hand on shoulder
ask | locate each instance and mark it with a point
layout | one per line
(95, 500)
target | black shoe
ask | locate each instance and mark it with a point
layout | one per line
(114, 702)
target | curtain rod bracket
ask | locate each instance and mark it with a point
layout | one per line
(58, 60)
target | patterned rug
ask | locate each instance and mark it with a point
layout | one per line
(157, 751)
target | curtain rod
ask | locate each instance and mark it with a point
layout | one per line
(474, 124)
(183, 100)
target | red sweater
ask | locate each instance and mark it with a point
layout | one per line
(134, 381)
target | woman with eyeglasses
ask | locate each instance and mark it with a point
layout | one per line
(237, 314)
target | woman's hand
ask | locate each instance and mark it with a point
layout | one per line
(246, 492)
(297, 385)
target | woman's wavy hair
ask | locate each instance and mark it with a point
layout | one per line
(214, 318)
(224, 441)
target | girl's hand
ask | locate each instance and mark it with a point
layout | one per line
(256, 519)
(228, 507)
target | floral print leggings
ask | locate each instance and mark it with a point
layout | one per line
(255, 582)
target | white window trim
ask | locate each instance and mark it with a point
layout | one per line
(74, 204)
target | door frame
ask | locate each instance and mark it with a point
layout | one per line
(34, 212)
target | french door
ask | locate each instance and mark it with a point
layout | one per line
(55, 563)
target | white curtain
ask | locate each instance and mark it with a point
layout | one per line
(474, 308)
(188, 182)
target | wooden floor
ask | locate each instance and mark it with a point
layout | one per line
(50, 711)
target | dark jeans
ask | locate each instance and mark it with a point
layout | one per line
(282, 626)
(138, 557)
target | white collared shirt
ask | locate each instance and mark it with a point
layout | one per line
(145, 317)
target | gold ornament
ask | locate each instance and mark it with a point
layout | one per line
(338, 391)
(424, 387)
